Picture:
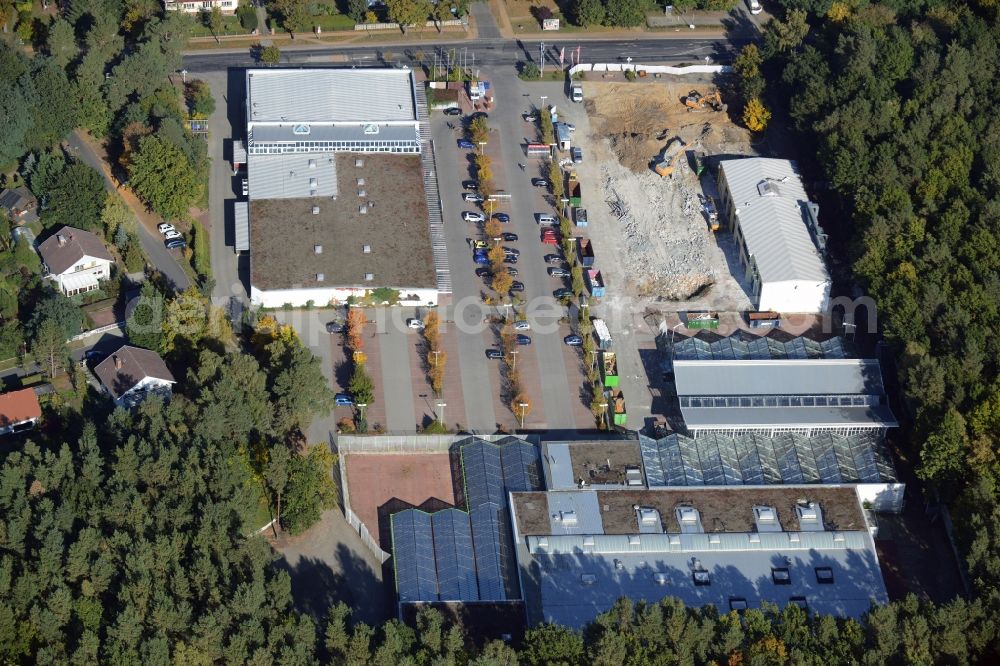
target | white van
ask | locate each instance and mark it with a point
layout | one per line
(545, 218)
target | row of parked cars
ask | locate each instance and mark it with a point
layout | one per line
(172, 238)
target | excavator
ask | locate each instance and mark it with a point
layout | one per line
(695, 101)
(670, 156)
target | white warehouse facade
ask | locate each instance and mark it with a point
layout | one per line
(776, 229)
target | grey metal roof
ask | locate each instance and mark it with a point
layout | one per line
(292, 176)
(778, 377)
(741, 345)
(305, 95)
(581, 505)
(568, 598)
(239, 152)
(242, 220)
(769, 202)
(755, 459)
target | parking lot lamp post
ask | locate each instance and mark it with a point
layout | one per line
(593, 358)
(513, 363)
(441, 406)
(628, 60)
(481, 144)
(435, 352)
(543, 98)
(604, 412)
(541, 58)
(523, 406)
(361, 406)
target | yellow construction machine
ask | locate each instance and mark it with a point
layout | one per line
(695, 101)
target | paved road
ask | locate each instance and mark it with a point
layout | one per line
(453, 168)
(159, 255)
(492, 52)
(486, 25)
(527, 200)
(223, 184)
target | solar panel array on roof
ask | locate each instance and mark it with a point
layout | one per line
(486, 522)
(483, 470)
(754, 459)
(413, 556)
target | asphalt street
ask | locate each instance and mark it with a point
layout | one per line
(488, 52)
(394, 353)
(158, 254)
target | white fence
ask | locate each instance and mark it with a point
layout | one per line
(366, 27)
(651, 69)
(103, 329)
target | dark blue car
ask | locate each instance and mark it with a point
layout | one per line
(466, 144)
(503, 217)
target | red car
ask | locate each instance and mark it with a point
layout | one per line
(550, 237)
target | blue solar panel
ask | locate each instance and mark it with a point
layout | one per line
(520, 462)
(788, 461)
(413, 556)
(483, 473)
(486, 539)
(651, 461)
(456, 565)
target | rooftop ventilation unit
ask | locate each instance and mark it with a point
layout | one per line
(648, 516)
(766, 519)
(320, 277)
(810, 517)
(543, 542)
(362, 194)
(359, 163)
(369, 277)
(361, 182)
(660, 578)
(688, 515)
(315, 210)
(588, 579)
(619, 565)
(363, 209)
(312, 164)
(318, 249)
(633, 476)
(633, 540)
(367, 249)
(568, 518)
(588, 541)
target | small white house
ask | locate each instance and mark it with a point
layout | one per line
(133, 373)
(75, 260)
(197, 6)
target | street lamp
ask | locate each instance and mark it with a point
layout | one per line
(441, 406)
(543, 98)
(541, 57)
(435, 352)
(628, 60)
(361, 406)
(524, 407)
(184, 75)
(481, 144)
(513, 363)
(604, 412)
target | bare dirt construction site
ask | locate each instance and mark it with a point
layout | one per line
(656, 224)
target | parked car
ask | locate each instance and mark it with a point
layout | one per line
(577, 154)
(508, 236)
(545, 218)
(246, 187)
(510, 259)
(516, 286)
(512, 251)
(522, 339)
(494, 354)
(335, 327)
(453, 111)
(473, 216)
(570, 127)
(470, 185)
(522, 325)
(540, 182)
(558, 272)
(573, 340)
(562, 292)
(176, 244)
(343, 400)
(479, 114)
(503, 217)
(474, 197)
(172, 234)
(466, 144)
(415, 324)
(512, 271)
(484, 271)
(530, 117)
(164, 227)
(553, 259)
(755, 7)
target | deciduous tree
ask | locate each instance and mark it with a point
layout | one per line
(408, 12)
(163, 178)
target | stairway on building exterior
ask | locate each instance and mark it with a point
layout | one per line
(433, 196)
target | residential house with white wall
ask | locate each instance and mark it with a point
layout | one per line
(75, 260)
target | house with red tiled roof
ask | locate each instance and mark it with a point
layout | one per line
(19, 411)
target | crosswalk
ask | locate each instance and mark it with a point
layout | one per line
(433, 196)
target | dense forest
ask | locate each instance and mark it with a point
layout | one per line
(898, 105)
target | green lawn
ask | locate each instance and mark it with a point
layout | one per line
(230, 26)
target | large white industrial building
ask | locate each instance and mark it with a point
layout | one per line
(776, 229)
(337, 198)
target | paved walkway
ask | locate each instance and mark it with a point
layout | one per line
(396, 380)
(91, 153)
(486, 25)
